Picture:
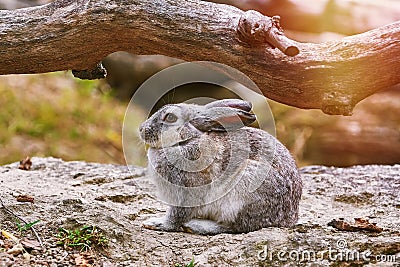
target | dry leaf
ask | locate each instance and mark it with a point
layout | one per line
(15, 250)
(25, 164)
(364, 224)
(8, 235)
(25, 198)
(30, 244)
(84, 259)
(360, 224)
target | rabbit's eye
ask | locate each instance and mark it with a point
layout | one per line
(169, 117)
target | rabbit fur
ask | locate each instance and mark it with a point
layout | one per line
(216, 174)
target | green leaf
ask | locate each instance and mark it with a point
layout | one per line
(26, 226)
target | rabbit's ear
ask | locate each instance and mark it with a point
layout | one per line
(232, 103)
(222, 119)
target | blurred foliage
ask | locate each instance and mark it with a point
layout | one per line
(370, 136)
(294, 128)
(57, 115)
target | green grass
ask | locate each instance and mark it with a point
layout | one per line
(25, 227)
(83, 238)
(192, 263)
(57, 115)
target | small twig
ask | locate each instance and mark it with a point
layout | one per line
(22, 220)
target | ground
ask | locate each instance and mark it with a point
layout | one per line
(117, 199)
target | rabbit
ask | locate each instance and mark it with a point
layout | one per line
(216, 174)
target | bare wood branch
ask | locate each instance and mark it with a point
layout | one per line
(65, 35)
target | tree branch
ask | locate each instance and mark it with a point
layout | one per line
(77, 35)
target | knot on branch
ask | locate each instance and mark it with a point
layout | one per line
(97, 72)
(257, 29)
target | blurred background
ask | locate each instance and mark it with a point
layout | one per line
(57, 115)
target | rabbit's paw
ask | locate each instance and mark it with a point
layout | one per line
(203, 227)
(159, 224)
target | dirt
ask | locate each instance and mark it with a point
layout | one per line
(116, 199)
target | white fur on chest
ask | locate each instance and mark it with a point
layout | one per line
(224, 209)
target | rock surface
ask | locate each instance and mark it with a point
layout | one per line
(116, 199)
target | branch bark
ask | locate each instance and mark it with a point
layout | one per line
(66, 35)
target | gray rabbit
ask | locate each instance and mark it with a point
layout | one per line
(216, 174)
